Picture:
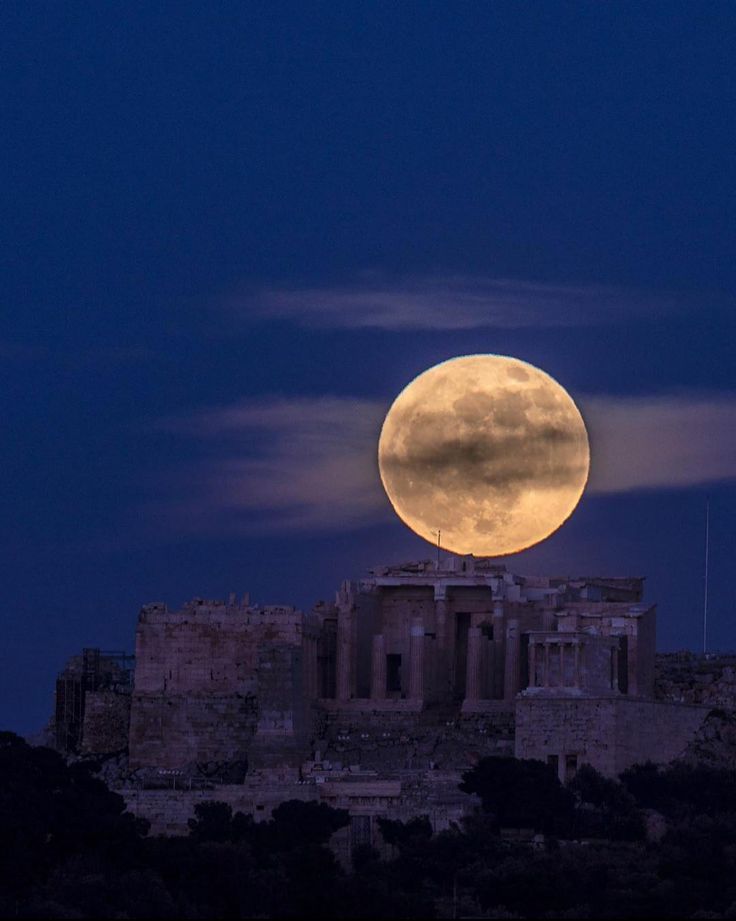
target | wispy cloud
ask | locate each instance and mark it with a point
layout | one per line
(661, 442)
(281, 464)
(448, 302)
(310, 463)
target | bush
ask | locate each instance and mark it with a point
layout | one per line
(521, 794)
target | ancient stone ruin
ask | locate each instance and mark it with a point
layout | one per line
(379, 701)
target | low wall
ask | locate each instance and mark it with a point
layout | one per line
(168, 811)
(365, 795)
(609, 733)
(389, 741)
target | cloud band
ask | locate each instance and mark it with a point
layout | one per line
(448, 302)
(310, 463)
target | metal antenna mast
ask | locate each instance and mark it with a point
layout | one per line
(705, 590)
(439, 534)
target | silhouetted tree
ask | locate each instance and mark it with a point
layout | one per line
(680, 789)
(55, 818)
(605, 808)
(296, 823)
(215, 821)
(521, 794)
(404, 835)
(69, 849)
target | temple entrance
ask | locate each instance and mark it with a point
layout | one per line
(393, 675)
(462, 625)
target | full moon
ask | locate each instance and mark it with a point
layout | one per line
(486, 449)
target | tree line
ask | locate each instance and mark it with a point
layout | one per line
(657, 843)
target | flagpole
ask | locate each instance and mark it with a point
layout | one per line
(705, 589)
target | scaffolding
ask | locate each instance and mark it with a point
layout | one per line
(93, 670)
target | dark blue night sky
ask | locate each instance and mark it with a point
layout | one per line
(232, 232)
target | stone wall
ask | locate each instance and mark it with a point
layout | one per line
(365, 795)
(173, 731)
(168, 811)
(207, 647)
(106, 722)
(210, 678)
(285, 711)
(385, 741)
(654, 731)
(609, 733)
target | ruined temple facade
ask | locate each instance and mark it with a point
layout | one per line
(378, 701)
(475, 635)
(465, 643)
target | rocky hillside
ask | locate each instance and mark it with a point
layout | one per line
(695, 678)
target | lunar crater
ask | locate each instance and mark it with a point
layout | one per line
(488, 449)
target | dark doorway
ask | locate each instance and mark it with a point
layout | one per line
(462, 625)
(326, 660)
(393, 673)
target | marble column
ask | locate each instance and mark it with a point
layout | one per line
(472, 668)
(440, 612)
(378, 667)
(487, 669)
(632, 655)
(416, 661)
(511, 670)
(441, 664)
(498, 651)
(308, 689)
(315, 667)
(562, 665)
(532, 664)
(344, 654)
